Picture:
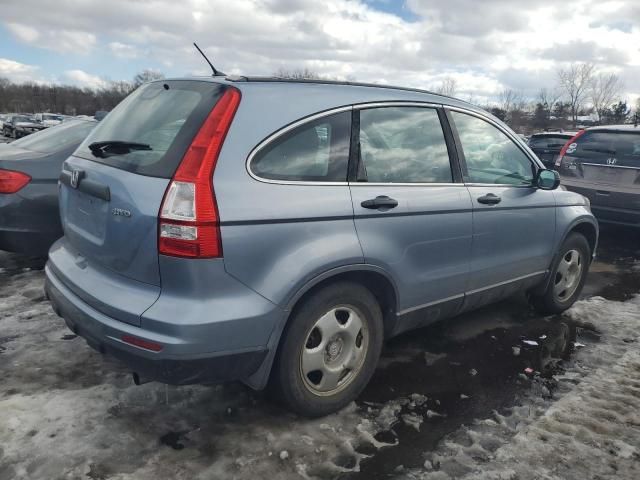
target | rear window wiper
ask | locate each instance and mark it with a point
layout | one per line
(108, 148)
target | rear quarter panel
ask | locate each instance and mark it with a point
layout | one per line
(278, 237)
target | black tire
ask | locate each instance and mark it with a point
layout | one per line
(288, 382)
(550, 302)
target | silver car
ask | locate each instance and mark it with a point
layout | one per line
(603, 164)
(277, 232)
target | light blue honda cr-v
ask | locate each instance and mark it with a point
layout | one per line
(277, 232)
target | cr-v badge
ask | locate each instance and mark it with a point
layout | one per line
(121, 212)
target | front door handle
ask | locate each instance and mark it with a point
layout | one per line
(381, 202)
(489, 199)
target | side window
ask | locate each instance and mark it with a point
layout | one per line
(490, 155)
(403, 145)
(317, 151)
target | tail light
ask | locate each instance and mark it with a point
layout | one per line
(188, 221)
(11, 182)
(563, 152)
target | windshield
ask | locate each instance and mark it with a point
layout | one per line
(57, 138)
(549, 141)
(162, 116)
(610, 148)
(21, 118)
(52, 117)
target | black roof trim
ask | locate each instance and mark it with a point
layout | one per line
(243, 78)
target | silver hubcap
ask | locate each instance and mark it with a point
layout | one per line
(334, 351)
(568, 275)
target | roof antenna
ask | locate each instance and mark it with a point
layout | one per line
(216, 73)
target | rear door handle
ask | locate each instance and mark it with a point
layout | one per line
(381, 202)
(489, 199)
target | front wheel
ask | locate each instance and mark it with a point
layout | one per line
(567, 276)
(329, 351)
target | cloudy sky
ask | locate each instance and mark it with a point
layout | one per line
(485, 45)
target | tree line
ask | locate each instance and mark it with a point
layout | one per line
(580, 90)
(32, 97)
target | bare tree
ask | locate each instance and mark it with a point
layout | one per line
(297, 74)
(575, 82)
(510, 100)
(605, 90)
(549, 97)
(146, 76)
(447, 87)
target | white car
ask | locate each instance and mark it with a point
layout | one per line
(48, 119)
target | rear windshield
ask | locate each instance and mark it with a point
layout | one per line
(55, 139)
(609, 148)
(157, 123)
(549, 142)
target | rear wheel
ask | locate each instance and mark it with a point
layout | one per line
(567, 276)
(329, 350)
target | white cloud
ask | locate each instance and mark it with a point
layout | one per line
(84, 79)
(23, 32)
(60, 40)
(485, 46)
(16, 71)
(123, 50)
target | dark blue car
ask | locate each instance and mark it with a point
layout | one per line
(29, 171)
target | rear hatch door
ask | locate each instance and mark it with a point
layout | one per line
(607, 162)
(547, 147)
(113, 185)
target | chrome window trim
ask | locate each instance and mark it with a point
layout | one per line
(396, 103)
(360, 106)
(506, 185)
(392, 184)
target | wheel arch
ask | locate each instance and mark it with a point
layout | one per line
(377, 280)
(586, 226)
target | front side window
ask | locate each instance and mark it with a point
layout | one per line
(491, 156)
(403, 145)
(317, 151)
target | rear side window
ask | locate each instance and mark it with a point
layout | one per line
(549, 142)
(403, 145)
(55, 139)
(157, 123)
(317, 151)
(608, 148)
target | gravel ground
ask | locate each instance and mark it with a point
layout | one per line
(467, 398)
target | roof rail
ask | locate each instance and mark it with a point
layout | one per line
(244, 78)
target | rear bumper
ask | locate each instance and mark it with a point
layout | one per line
(609, 205)
(178, 363)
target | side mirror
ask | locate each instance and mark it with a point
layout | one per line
(548, 180)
